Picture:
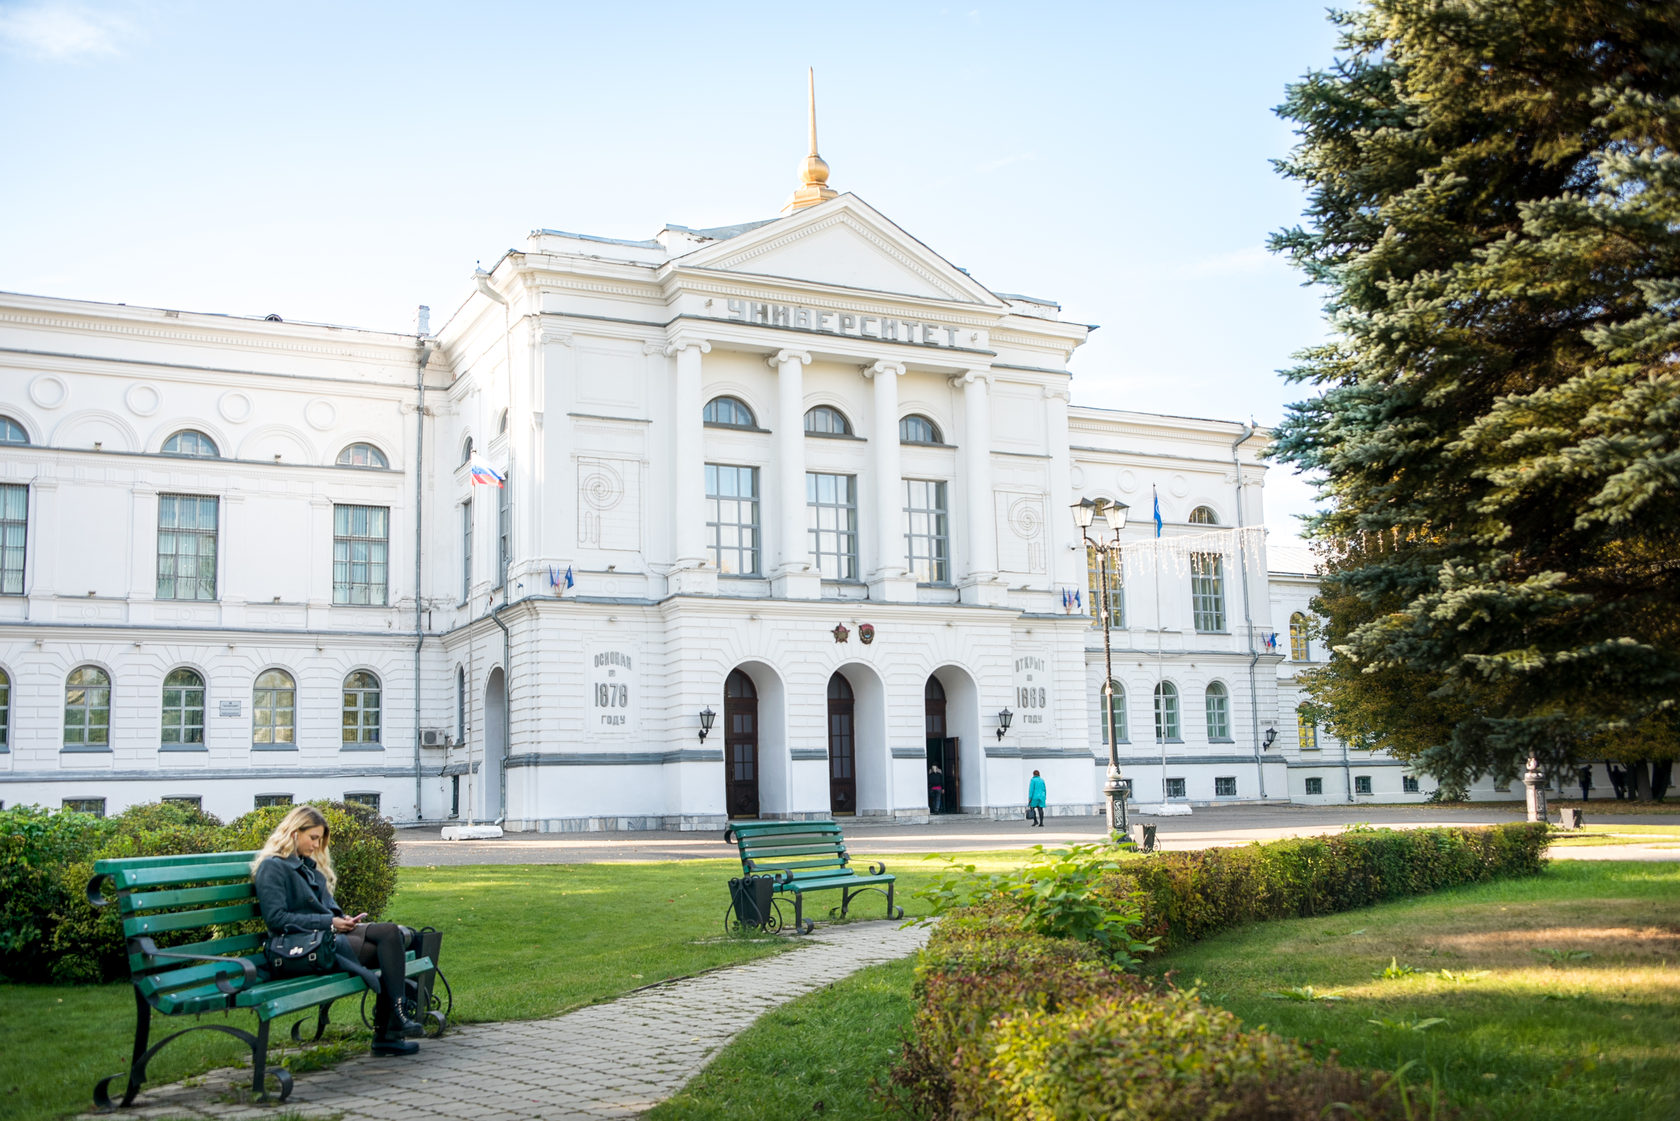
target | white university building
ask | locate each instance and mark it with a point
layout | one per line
(800, 478)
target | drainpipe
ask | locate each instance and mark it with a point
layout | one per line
(423, 326)
(482, 280)
(1248, 612)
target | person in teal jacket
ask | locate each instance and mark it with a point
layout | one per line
(1035, 800)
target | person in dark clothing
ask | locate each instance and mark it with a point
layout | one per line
(294, 880)
(1586, 782)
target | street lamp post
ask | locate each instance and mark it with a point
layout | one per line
(1085, 511)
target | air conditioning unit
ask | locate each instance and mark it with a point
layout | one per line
(434, 737)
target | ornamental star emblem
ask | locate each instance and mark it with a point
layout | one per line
(841, 634)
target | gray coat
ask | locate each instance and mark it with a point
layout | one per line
(293, 895)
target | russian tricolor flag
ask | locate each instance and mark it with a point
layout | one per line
(479, 471)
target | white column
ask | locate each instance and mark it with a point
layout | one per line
(889, 580)
(1067, 566)
(688, 466)
(793, 576)
(979, 582)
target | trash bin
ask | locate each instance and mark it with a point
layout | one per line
(751, 898)
(1143, 836)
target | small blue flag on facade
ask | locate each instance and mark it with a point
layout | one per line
(1157, 495)
(569, 580)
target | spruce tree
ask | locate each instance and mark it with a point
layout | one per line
(1493, 210)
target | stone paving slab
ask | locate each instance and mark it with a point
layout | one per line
(612, 1060)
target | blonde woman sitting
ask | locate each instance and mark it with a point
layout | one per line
(294, 879)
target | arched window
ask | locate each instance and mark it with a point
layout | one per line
(825, 421)
(361, 710)
(1218, 712)
(1117, 706)
(11, 432)
(5, 712)
(362, 455)
(1306, 729)
(183, 709)
(87, 709)
(191, 443)
(1203, 515)
(728, 412)
(918, 429)
(274, 710)
(466, 450)
(502, 423)
(1166, 713)
(1300, 649)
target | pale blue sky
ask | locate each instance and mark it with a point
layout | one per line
(345, 162)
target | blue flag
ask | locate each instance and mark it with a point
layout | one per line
(569, 580)
(1157, 495)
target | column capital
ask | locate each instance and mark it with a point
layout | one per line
(684, 342)
(890, 369)
(783, 357)
(546, 335)
(1057, 393)
(969, 377)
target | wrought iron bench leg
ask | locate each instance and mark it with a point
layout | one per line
(892, 912)
(136, 1063)
(259, 1067)
(320, 1026)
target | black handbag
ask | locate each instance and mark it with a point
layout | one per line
(301, 952)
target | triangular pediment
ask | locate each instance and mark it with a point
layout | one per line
(845, 243)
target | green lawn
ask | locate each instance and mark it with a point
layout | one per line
(1538, 1035)
(1560, 995)
(522, 941)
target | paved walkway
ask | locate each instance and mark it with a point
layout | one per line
(611, 1060)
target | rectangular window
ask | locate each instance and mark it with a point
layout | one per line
(265, 800)
(1207, 592)
(188, 801)
(927, 532)
(368, 799)
(732, 518)
(1315, 786)
(361, 554)
(466, 550)
(1409, 784)
(186, 547)
(1361, 784)
(94, 806)
(504, 530)
(1175, 788)
(14, 534)
(831, 513)
(1225, 787)
(1116, 597)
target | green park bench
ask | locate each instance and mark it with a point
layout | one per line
(802, 856)
(209, 898)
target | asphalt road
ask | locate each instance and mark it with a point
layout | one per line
(1215, 825)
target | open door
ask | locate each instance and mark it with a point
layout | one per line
(842, 746)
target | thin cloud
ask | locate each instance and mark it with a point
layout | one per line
(60, 32)
(1246, 261)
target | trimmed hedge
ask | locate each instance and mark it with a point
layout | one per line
(1015, 1024)
(49, 931)
(1187, 896)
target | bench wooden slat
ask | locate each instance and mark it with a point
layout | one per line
(281, 997)
(793, 850)
(187, 975)
(182, 897)
(115, 864)
(136, 925)
(132, 879)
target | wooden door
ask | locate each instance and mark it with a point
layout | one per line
(842, 747)
(933, 709)
(740, 746)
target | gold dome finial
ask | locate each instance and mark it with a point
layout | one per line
(813, 169)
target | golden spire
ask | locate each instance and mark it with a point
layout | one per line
(813, 169)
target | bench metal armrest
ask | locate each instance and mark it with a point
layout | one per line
(728, 834)
(149, 948)
(878, 869)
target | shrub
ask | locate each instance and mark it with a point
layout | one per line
(50, 932)
(35, 847)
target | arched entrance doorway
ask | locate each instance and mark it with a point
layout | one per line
(495, 744)
(944, 764)
(740, 745)
(842, 746)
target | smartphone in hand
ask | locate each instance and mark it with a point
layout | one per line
(359, 919)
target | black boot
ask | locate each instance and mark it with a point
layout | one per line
(391, 1031)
